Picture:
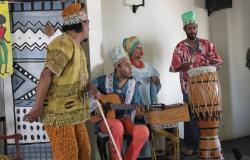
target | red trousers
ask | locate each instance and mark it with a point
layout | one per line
(139, 135)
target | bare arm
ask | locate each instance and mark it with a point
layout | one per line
(42, 89)
(93, 90)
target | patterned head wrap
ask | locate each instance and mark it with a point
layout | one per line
(117, 55)
(73, 14)
(188, 17)
(130, 44)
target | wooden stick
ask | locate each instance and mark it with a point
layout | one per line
(110, 134)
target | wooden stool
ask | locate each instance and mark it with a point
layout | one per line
(172, 151)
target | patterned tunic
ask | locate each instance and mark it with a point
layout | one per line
(205, 53)
(66, 102)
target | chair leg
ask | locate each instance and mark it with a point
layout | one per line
(153, 154)
(101, 145)
(104, 149)
(177, 144)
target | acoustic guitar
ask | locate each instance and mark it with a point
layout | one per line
(154, 114)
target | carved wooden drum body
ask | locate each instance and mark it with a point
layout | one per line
(205, 99)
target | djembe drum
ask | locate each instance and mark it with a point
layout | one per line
(205, 99)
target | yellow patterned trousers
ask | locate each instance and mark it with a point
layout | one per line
(70, 142)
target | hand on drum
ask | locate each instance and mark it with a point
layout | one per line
(193, 59)
(201, 61)
(187, 63)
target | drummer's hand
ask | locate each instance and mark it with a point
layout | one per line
(187, 63)
(140, 112)
(33, 114)
(193, 59)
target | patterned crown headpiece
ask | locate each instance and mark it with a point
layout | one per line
(73, 14)
(117, 55)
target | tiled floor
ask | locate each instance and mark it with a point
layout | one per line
(42, 151)
(242, 144)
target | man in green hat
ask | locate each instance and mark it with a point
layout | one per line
(191, 53)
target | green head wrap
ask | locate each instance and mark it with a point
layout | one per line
(188, 17)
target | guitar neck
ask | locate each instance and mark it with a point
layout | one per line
(146, 107)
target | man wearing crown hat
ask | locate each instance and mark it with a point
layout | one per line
(121, 82)
(61, 97)
(191, 53)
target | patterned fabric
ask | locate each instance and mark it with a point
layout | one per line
(130, 44)
(70, 142)
(109, 83)
(205, 54)
(117, 55)
(188, 17)
(66, 101)
(73, 14)
(6, 61)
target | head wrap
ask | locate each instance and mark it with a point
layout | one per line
(117, 55)
(130, 44)
(73, 14)
(188, 17)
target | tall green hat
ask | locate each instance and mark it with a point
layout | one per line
(188, 17)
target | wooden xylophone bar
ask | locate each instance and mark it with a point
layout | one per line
(172, 114)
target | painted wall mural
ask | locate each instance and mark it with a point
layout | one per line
(5, 41)
(29, 52)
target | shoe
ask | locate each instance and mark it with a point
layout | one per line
(189, 152)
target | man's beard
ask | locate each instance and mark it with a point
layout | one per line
(192, 36)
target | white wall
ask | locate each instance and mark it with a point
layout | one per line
(230, 33)
(96, 57)
(95, 37)
(159, 27)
